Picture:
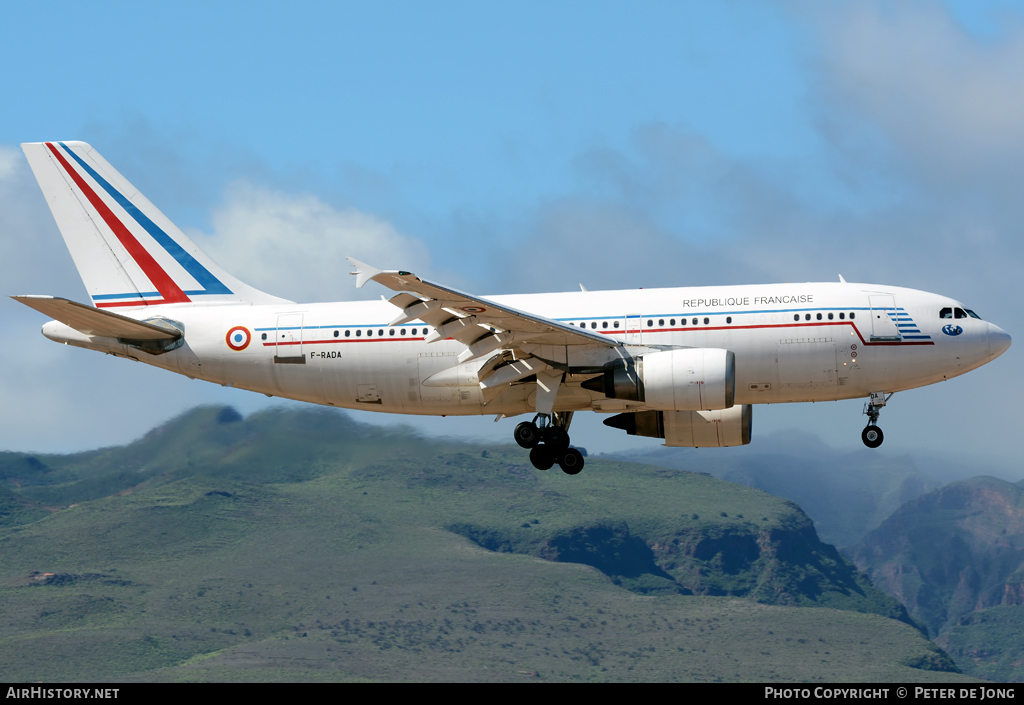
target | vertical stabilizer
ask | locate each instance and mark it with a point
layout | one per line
(127, 252)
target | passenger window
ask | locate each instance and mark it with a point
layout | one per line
(672, 322)
(959, 313)
(402, 331)
(359, 333)
(593, 324)
(380, 332)
(335, 334)
(807, 316)
(616, 324)
(392, 331)
(706, 321)
(851, 315)
(264, 336)
(946, 313)
(661, 322)
(694, 321)
(348, 333)
(796, 316)
(369, 333)
(728, 319)
(830, 316)
(842, 316)
(604, 324)
(819, 316)
(650, 323)
(682, 321)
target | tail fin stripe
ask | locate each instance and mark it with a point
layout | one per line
(146, 298)
(170, 291)
(132, 303)
(210, 283)
(143, 294)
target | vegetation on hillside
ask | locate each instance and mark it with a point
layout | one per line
(955, 558)
(302, 545)
(847, 494)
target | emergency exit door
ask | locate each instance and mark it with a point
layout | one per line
(289, 339)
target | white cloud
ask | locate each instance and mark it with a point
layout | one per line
(953, 102)
(294, 245)
(8, 162)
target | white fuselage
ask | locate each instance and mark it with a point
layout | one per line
(792, 343)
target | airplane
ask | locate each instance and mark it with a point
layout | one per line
(681, 364)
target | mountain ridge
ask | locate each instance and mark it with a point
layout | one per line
(223, 535)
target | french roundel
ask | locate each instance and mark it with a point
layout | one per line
(473, 309)
(238, 338)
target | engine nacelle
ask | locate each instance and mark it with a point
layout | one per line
(690, 429)
(681, 380)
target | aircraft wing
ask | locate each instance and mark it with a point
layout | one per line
(480, 324)
(94, 321)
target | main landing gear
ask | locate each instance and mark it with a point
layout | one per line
(547, 437)
(872, 435)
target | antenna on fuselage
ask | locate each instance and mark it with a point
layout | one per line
(841, 280)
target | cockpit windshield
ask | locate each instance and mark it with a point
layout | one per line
(958, 312)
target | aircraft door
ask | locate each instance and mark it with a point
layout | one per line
(289, 337)
(883, 317)
(633, 329)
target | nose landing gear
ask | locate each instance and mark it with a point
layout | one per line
(872, 435)
(547, 437)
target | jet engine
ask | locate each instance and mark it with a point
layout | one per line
(678, 380)
(690, 429)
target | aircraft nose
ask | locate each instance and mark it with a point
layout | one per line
(998, 341)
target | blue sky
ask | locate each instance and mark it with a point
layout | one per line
(527, 148)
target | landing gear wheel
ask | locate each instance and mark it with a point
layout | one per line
(872, 436)
(542, 457)
(571, 462)
(527, 434)
(556, 437)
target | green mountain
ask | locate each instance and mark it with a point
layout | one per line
(955, 558)
(989, 643)
(302, 545)
(847, 494)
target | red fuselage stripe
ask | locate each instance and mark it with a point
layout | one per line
(649, 331)
(271, 343)
(163, 283)
(698, 329)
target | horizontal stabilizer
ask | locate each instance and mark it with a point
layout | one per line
(97, 322)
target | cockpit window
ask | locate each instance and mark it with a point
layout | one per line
(946, 313)
(959, 313)
(972, 314)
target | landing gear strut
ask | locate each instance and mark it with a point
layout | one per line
(872, 435)
(547, 437)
